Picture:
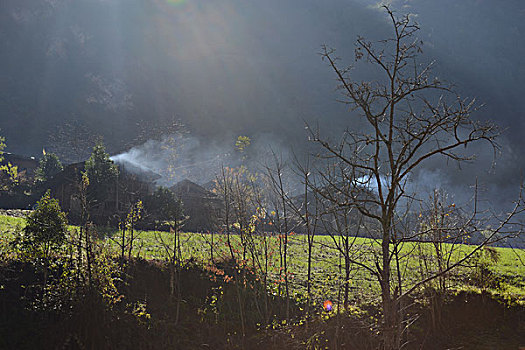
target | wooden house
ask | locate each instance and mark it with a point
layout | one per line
(132, 184)
(200, 205)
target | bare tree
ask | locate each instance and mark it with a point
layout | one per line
(308, 214)
(224, 190)
(341, 223)
(406, 118)
(281, 200)
(441, 227)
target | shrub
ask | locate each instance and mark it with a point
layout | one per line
(46, 227)
(482, 275)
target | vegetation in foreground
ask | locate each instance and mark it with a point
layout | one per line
(136, 308)
(502, 275)
(150, 301)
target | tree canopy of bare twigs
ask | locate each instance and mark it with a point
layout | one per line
(406, 118)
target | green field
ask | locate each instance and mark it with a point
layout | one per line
(328, 265)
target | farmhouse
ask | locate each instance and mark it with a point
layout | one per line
(202, 206)
(132, 184)
(18, 195)
(26, 165)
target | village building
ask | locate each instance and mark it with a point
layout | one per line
(201, 206)
(26, 166)
(131, 185)
(18, 194)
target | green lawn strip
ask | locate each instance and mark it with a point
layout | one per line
(327, 263)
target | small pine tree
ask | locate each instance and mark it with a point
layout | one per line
(102, 173)
(46, 226)
(48, 167)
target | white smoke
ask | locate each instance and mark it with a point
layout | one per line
(176, 158)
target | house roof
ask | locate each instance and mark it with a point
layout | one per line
(187, 188)
(17, 158)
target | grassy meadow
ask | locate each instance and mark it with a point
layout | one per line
(327, 263)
